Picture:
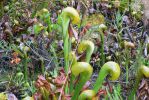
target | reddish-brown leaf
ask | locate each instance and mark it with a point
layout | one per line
(60, 80)
(72, 32)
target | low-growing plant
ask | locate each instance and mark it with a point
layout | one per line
(68, 15)
(102, 28)
(110, 68)
(88, 46)
(143, 71)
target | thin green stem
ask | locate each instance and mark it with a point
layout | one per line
(102, 48)
(65, 25)
(127, 64)
(102, 74)
(25, 67)
(42, 66)
(72, 78)
(73, 60)
(67, 88)
(79, 86)
(66, 43)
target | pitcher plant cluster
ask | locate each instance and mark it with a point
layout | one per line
(83, 69)
(76, 62)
